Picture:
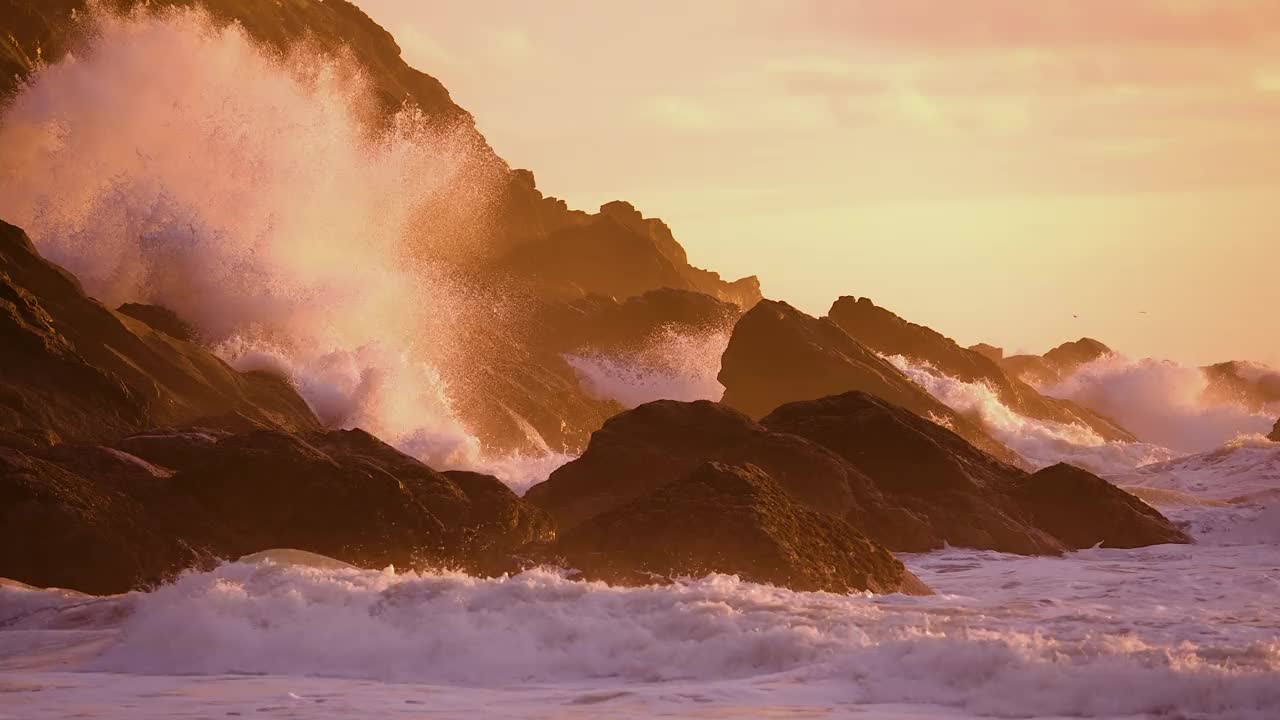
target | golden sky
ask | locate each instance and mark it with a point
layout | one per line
(991, 168)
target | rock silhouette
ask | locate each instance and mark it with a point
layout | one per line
(731, 519)
(903, 481)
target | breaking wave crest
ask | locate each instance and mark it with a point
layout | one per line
(1007, 653)
(1040, 442)
(1161, 402)
(670, 366)
(172, 161)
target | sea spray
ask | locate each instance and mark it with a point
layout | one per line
(172, 161)
(1161, 402)
(670, 365)
(1039, 442)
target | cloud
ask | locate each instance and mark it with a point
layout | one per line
(935, 24)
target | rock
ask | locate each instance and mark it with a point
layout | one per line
(59, 528)
(84, 373)
(640, 450)
(160, 318)
(778, 354)
(1083, 510)
(903, 481)
(103, 520)
(888, 334)
(990, 352)
(731, 519)
(1275, 433)
(1057, 364)
(1253, 385)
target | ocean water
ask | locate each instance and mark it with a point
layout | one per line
(1173, 631)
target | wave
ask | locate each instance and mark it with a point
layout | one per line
(670, 365)
(1007, 652)
(172, 161)
(1161, 402)
(1040, 442)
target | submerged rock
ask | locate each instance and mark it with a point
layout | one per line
(731, 519)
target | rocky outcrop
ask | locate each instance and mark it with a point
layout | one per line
(77, 371)
(888, 334)
(1275, 433)
(1055, 365)
(778, 354)
(102, 520)
(903, 481)
(535, 242)
(1252, 385)
(731, 519)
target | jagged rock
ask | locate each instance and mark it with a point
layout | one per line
(778, 354)
(102, 520)
(888, 334)
(1055, 365)
(1275, 433)
(904, 481)
(78, 370)
(731, 519)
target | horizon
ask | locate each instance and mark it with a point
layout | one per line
(909, 156)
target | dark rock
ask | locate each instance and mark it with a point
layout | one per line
(903, 481)
(640, 450)
(102, 520)
(1275, 433)
(731, 519)
(59, 528)
(84, 373)
(1083, 510)
(160, 318)
(888, 334)
(778, 354)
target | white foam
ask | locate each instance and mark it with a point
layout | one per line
(1101, 633)
(1040, 442)
(671, 365)
(1161, 402)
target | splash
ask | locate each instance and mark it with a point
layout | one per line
(1161, 402)
(670, 366)
(171, 161)
(1040, 442)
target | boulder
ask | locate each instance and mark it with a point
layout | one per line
(778, 354)
(731, 519)
(100, 519)
(1083, 510)
(903, 481)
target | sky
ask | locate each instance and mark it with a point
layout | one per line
(1018, 173)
